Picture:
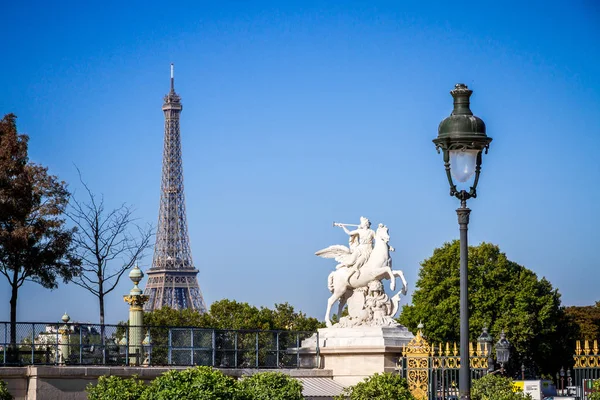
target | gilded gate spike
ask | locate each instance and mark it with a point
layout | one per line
(578, 347)
(595, 346)
(172, 279)
(447, 352)
(455, 350)
(586, 347)
(471, 351)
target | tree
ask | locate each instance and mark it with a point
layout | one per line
(503, 295)
(587, 319)
(35, 245)
(230, 314)
(105, 244)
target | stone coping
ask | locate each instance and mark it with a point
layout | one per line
(93, 372)
(351, 350)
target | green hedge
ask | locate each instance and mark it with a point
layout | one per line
(269, 386)
(495, 387)
(4, 395)
(199, 383)
(379, 387)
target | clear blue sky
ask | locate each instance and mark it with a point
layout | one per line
(299, 113)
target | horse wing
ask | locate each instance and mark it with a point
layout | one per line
(337, 251)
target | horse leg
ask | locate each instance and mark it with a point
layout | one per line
(342, 302)
(400, 274)
(330, 302)
(388, 271)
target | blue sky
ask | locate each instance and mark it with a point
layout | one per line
(297, 114)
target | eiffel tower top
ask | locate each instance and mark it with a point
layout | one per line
(172, 99)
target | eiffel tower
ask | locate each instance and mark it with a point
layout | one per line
(172, 279)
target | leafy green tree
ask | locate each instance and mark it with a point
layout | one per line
(503, 295)
(200, 383)
(495, 387)
(35, 245)
(4, 394)
(587, 319)
(116, 388)
(269, 386)
(379, 387)
(230, 314)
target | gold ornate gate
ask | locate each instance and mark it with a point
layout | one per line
(433, 372)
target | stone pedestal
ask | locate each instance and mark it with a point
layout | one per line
(353, 354)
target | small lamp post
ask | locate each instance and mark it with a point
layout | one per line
(485, 344)
(523, 371)
(562, 380)
(502, 351)
(136, 301)
(569, 381)
(64, 338)
(462, 139)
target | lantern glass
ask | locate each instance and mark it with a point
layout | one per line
(462, 164)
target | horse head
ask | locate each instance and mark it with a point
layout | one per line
(382, 233)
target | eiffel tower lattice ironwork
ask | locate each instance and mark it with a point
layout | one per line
(172, 279)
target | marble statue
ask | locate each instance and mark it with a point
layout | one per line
(356, 280)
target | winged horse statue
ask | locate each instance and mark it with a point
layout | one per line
(343, 281)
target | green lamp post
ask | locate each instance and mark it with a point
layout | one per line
(136, 301)
(462, 140)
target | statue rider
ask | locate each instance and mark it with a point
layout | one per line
(361, 245)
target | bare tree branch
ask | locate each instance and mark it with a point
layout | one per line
(108, 243)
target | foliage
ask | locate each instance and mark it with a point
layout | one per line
(595, 395)
(202, 383)
(4, 394)
(269, 386)
(379, 387)
(503, 295)
(34, 243)
(495, 387)
(116, 388)
(103, 239)
(230, 314)
(587, 319)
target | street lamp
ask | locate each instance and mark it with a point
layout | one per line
(462, 139)
(502, 351)
(562, 380)
(485, 344)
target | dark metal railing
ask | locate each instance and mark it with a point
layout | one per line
(36, 343)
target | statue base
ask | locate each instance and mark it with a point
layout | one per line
(353, 354)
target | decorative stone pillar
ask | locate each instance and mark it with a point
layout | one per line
(65, 334)
(136, 301)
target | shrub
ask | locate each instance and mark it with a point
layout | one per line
(495, 387)
(269, 386)
(116, 388)
(596, 394)
(199, 383)
(4, 395)
(379, 387)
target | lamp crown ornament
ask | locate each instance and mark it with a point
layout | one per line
(136, 276)
(65, 318)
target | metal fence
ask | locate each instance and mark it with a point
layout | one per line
(92, 344)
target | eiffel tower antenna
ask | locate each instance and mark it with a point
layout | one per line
(172, 279)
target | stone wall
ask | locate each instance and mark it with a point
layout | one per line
(69, 382)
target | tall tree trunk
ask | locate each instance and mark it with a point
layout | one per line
(102, 330)
(13, 317)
